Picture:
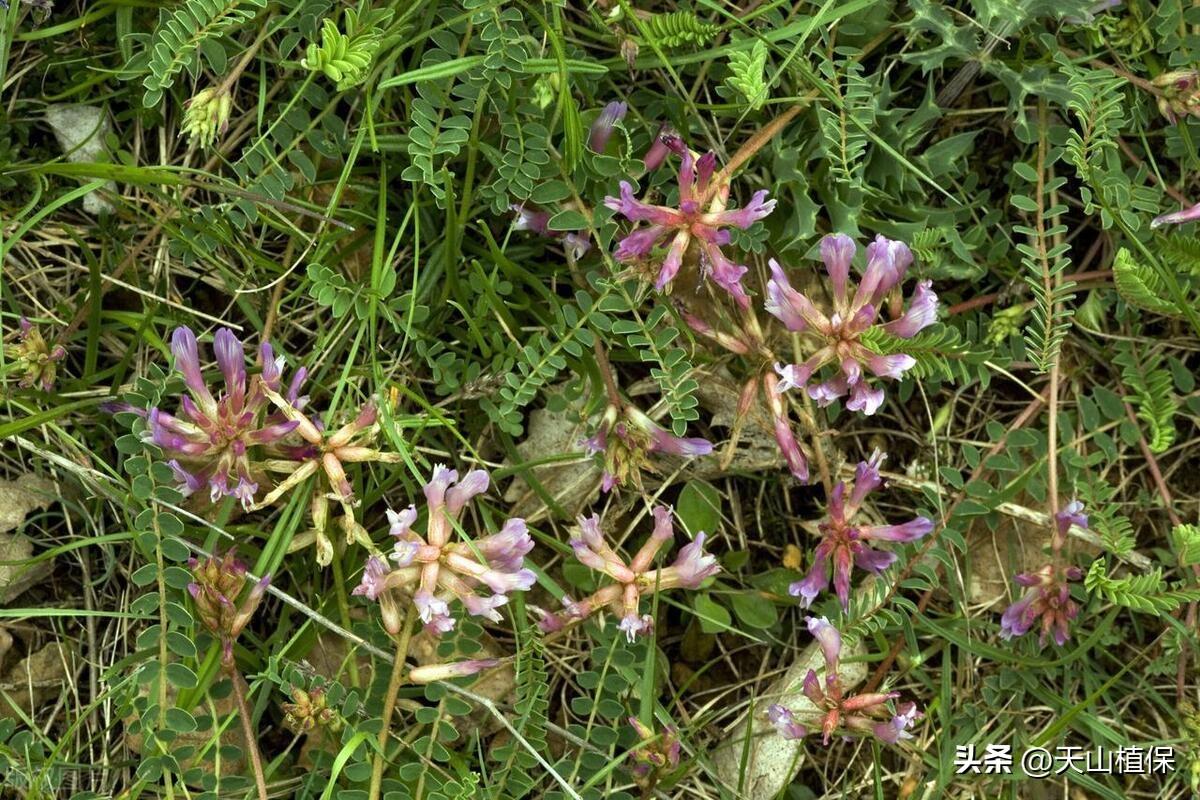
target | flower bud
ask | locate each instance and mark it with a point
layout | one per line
(206, 116)
(442, 672)
(1180, 93)
(34, 357)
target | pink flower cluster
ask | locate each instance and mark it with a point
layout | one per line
(840, 333)
(845, 545)
(863, 714)
(231, 436)
(633, 578)
(215, 586)
(1047, 601)
(432, 570)
(689, 222)
(208, 442)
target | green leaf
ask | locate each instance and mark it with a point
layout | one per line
(1140, 286)
(181, 676)
(713, 616)
(568, 220)
(754, 610)
(699, 507)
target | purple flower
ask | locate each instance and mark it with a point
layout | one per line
(633, 578)
(678, 228)
(209, 440)
(845, 545)
(830, 640)
(785, 722)
(658, 151)
(840, 334)
(693, 566)
(529, 219)
(627, 437)
(1046, 602)
(602, 128)
(634, 626)
(374, 579)
(862, 714)
(897, 727)
(434, 570)
(1071, 514)
(216, 584)
(786, 440)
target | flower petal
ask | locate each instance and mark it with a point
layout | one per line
(602, 128)
(187, 361)
(908, 532)
(830, 640)
(837, 251)
(758, 207)
(636, 211)
(921, 313)
(794, 310)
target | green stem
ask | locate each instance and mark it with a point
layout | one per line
(339, 579)
(389, 701)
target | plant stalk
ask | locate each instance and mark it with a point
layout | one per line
(389, 701)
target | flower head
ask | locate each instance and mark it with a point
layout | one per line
(627, 438)
(210, 439)
(433, 570)
(845, 545)
(216, 584)
(654, 751)
(634, 577)
(862, 714)
(1045, 603)
(854, 312)
(689, 223)
(34, 357)
(1180, 93)
(206, 116)
(309, 711)
(326, 453)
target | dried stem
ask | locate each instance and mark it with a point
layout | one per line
(239, 696)
(606, 374)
